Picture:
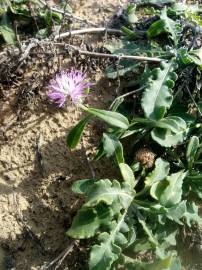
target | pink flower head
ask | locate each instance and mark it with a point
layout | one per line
(66, 84)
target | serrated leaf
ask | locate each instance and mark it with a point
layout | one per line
(114, 119)
(160, 172)
(109, 191)
(169, 191)
(88, 220)
(74, 136)
(192, 150)
(157, 97)
(112, 147)
(103, 255)
(127, 174)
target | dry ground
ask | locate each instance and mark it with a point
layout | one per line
(36, 168)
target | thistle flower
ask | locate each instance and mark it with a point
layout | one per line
(68, 84)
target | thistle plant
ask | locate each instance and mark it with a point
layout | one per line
(143, 211)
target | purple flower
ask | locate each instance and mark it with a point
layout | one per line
(66, 84)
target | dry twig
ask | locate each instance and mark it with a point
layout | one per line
(60, 258)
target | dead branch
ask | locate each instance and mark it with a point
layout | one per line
(89, 31)
(115, 56)
(60, 258)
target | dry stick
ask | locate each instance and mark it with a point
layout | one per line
(61, 256)
(82, 20)
(93, 30)
(116, 56)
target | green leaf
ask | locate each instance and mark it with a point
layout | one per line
(163, 264)
(191, 215)
(112, 118)
(166, 137)
(196, 56)
(192, 150)
(131, 13)
(102, 256)
(74, 136)
(127, 174)
(88, 221)
(195, 184)
(82, 186)
(108, 192)
(160, 172)
(148, 232)
(112, 147)
(6, 30)
(169, 191)
(164, 25)
(157, 97)
(176, 212)
(174, 123)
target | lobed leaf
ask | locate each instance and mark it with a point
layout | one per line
(169, 191)
(157, 97)
(160, 172)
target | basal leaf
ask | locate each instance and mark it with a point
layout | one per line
(176, 212)
(192, 150)
(160, 172)
(166, 136)
(112, 147)
(164, 25)
(103, 255)
(169, 191)
(191, 214)
(157, 97)
(83, 186)
(114, 119)
(109, 191)
(196, 56)
(127, 174)
(88, 220)
(174, 123)
(74, 136)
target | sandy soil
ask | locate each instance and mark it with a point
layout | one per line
(37, 170)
